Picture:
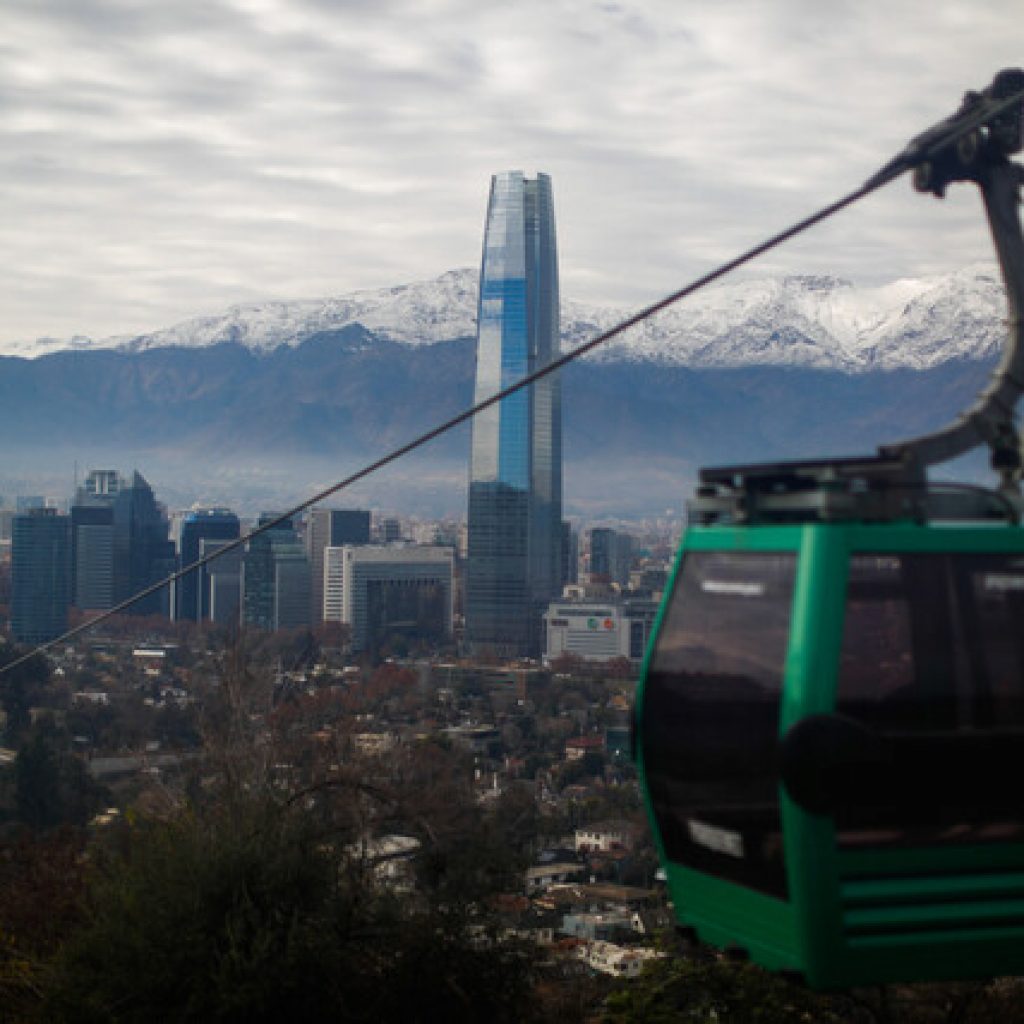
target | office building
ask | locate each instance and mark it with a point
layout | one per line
(275, 578)
(391, 592)
(599, 631)
(92, 556)
(515, 491)
(143, 551)
(331, 527)
(611, 555)
(193, 589)
(570, 554)
(389, 530)
(40, 575)
(221, 583)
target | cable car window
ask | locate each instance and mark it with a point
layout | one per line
(932, 665)
(711, 715)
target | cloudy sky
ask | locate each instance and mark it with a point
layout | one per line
(159, 160)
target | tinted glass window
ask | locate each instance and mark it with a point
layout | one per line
(711, 715)
(932, 664)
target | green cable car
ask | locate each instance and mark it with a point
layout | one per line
(829, 726)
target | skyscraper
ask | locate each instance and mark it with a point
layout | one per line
(40, 575)
(143, 552)
(275, 578)
(331, 527)
(611, 555)
(515, 491)
(392, 592)
(193, 590)
(92, 555)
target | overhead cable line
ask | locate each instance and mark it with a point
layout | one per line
(921, 148)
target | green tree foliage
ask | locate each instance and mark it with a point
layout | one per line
(21, 688)
(40, 888)
(51, 785)
(251, 915)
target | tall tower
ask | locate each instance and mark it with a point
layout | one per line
(331, 527)
(515, 489)
(193, 590)
(143, 552)
(40, 575)
(275, 578)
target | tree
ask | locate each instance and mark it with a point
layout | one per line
(40, 892)
(21, 688)
(51, 785)
(250, 913)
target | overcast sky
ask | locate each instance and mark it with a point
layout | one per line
(160, 160)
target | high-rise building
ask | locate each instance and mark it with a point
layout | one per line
(570, 553)
(92, 556)
(40, 575)
(275, 578)
(611, 555)
(515, 490)
(331, 527)
(389, 592)
(222, 583)
(389, 530)
(92, 540)
(193, 589)
(143, 551)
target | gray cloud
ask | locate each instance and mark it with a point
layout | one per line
(163, 160)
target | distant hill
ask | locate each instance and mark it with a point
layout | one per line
(260, 426)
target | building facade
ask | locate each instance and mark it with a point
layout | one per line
(599, 631)
(222, 582)
(193, 589)
(514, 564)
(389, 592)
(275, 579)
(92, 556)
(40, 575)
(331, 527)
(143, 551)
(611, 555)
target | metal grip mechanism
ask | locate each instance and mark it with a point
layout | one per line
(975, 144)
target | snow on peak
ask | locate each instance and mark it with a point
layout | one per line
(819, 322)
(425, 311)
(803, 320)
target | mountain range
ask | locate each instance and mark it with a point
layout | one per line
(268, 402)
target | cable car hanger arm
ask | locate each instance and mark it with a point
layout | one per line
(974, 145)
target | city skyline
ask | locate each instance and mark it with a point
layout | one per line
(679, 134)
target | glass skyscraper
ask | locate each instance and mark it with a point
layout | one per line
(40, 575)
(515, 490)
(193, 589)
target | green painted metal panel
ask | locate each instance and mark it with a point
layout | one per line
(938, 887)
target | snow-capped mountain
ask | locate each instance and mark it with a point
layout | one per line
(819, 322)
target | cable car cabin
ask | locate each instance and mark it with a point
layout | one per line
(830, 729)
